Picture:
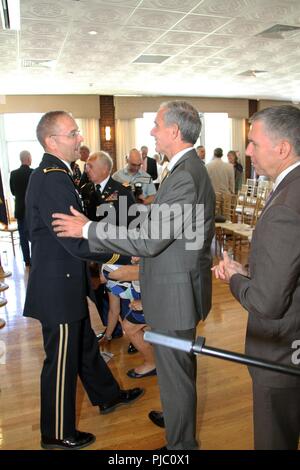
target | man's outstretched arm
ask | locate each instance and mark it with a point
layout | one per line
(69, 225)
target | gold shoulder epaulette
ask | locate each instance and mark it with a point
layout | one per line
(49, 170)
(113, 259)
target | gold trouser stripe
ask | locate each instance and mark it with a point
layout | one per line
(60, 381)
(62, 401)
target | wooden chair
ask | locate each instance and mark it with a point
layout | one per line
(252, 186)
(11, 230)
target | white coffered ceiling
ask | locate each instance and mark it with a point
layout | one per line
(203, 46)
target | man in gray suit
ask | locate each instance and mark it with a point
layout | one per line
(270, 291)
(175, 275)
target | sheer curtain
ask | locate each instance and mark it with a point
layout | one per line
(125, 139)
(238, 140)
(5, 167)
(90, 130)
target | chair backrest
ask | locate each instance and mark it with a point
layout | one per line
(218, 208)
(251, 209)
(252, 186)
(229, 206)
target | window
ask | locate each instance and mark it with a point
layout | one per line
(20, 134)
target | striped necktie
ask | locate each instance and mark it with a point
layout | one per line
(165, 174)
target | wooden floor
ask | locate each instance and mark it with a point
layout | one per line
(224, 388)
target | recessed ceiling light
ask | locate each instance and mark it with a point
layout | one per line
(92, 33)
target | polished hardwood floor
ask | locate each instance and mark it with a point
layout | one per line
(224, 388)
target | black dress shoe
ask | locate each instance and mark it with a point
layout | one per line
(125, 397)
(79, 440)
(157, 418)
(135, 375)
(131, 349)
(100, 335)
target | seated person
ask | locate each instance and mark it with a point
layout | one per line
(135, 177)
(134, 322)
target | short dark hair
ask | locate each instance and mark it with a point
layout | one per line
(47, 125)
(185, 116)
(281, 122)
(218, 152)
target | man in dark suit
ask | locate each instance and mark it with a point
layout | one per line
(175, 276)
(56, 294)
(149, 164)
(18, 184)
(84, 155)
(270, 291)
(104, 191)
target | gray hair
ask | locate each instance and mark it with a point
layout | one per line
(48, 125)
(281, 122)
(102, 157)
(185, 116)
(25, 157)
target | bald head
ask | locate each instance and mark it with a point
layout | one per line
(134, 161)
(84, 153)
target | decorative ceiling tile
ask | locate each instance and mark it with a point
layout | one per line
(43, 28)
(240, 27)
(178, 5)
(106, 14)
(217, 7)
(180, 38)
(164, 49)
(139, 34)
(154, 19)
(217, 40)
(210, 42)
(201, 23)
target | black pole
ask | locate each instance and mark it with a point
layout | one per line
(198, 347)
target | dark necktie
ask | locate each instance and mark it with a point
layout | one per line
(98, 192)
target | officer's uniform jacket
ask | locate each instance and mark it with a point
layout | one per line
(58, 279)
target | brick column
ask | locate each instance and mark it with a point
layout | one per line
(252, 107)
(107, 113)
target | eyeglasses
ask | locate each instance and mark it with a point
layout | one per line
(71, 134)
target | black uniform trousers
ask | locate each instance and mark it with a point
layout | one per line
(276, 413)
(71, 349)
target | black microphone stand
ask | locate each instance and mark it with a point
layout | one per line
(198, 347)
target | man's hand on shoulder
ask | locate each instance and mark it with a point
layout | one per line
(69, 225)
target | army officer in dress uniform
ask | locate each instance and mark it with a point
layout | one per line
(56, 294)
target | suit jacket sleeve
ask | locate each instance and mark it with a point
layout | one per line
(180, 191)
(274, 263)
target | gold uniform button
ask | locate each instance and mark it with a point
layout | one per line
(68, 275)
